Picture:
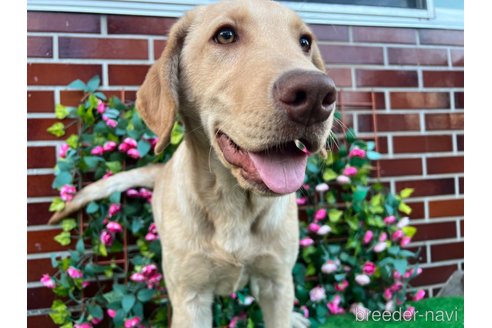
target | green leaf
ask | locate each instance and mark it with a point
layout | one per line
(57, 205)
(127, 302)
(57, 129)
(68, 224)
(329, 175)
(63, 238)
(177, 133)
(360, 193)
(93, 84)
(145, 295)
(409, 231)
(92, 161)
(63, 178)
(405, 193)
(115, 197)
(102, 249)
(95, 311)
(73, 141)
(92, 208)
(67, 325)
(400, 265)
(335, 215)
(80, 247)
(61, 111)
(143, 147)
(373, 156)
(77, 85)
(404, 208)
(59, 312)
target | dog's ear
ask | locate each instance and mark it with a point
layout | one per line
(158, 97)
(317, 59)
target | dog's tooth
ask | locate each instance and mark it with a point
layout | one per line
(300, 145)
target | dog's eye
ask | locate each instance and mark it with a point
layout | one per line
(305, 42)
(225, 35)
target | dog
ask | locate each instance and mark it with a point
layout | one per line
(248, 81)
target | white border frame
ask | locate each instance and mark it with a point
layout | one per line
(314, 13)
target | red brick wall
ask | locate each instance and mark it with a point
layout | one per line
(417, 76)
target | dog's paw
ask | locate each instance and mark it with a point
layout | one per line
(298, 321)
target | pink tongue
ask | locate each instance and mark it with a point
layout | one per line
(282, 173)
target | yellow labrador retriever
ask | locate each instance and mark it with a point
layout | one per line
(248, 81)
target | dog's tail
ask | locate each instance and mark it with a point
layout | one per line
(140, 177)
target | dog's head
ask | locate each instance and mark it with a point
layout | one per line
(249, 76)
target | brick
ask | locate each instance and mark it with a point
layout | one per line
(435, 275)
(41, 157)
(460, 141)
(62, 22)
(384, 34)
(458, 57)
(422, 144)
(70, 47)
(444, 252)
(381, 144)
(353, 100)
(443, 79)
(330, 32)
(435, 231)
(127, 74)
(441, 165)
(39, 298)
(429, 187)
(39, 46)
(451, 121)
(159, 46)
(60, 74)
(36, 268)
(341, 76)
(400, 167)
(459, 100)
(42, 241)
(38, 213)
(418, 210)
(119, 24)
(36, 128)
(446, 208)
(419, 100)
(40, 102)
(441, 37)
(462, 228)
(422, 255)
(40, 185)
(347, 121)
(341, 54)
(389, 122)
(418, 56)
(385, 78)
(40, 321)
(461, 182)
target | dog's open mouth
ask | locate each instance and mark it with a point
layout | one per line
(280, 168)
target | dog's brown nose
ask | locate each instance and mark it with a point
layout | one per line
(307, 96)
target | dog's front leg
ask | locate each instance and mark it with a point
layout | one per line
(191, 309)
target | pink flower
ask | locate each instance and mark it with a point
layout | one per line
(63, 150)
(305, 311)
(403, 222)
(396, 286)
(405, 241)
(100, 107)
(381, 246)
(111, 123)
(362, 279)
(83, 325)
(95, 321)
(152, 228)
(132, 322)
(233, 295)
(113, 209)
(350, 171)
(74, 273)
(322, 187)
(145, 193)
(67, 192)
(106, 238)
(137, 277)
(397, 235)
(151, 237)
(47, 281)
(154, 281)
(323, 230)
(85, 283)
(334, 306)
(109, 146)
(412, 272)
(320, 214)
(341, 286)
(343, 179)
(111, 313)
(409, 313)
(301, 201)
(420, 294)
(132, 193)
(107, 175)
(97, 151)
(357, 152)
(313, 227)
(389, 219)
(114, 227)
(369, 268)
(248, 300)
(149, 270)
(383, 236)
(368, 237)
(123, 147)
(317, 294)
(397, 275)
(360, 311)
(390, 306)
(133, 153)
(329, 267)
(387, 294)
(306, 242)
(132, 143)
